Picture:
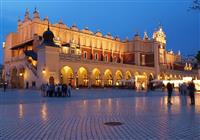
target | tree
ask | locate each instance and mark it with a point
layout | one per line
(198, 57)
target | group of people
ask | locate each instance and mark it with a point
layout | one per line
(56, 90)
(184, 89)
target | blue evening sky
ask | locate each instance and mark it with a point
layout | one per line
(121, 17)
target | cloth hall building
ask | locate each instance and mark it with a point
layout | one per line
(41, 52)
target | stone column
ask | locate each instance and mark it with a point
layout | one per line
(137, 59)
(102, 80)
(89, 79)
(76, 79)
(156, 60)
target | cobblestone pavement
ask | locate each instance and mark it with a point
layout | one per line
(25, 115)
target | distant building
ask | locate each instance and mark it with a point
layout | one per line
(38, 53)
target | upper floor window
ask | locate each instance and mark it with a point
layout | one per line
(85, 55)
(96, 56)
(106, 58)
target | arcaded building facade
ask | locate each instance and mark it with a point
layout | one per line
(42, 52)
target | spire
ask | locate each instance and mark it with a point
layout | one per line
(145, 36)
(60, 21)
(19, 20)
(179, 52)
(27, 15)
(36, 13)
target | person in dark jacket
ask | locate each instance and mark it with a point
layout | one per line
(169, 90)
(4, 87)
(191, 89)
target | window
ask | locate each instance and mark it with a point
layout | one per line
(96, 56)
(85, 55)
(143, 59)
(106, 58)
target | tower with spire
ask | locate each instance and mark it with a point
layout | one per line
(36, 14)
(27, 16)
(145, 36)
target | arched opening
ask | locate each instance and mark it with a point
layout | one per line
(108, 78)
(14, 78)
(67, 75)
(140, 80)
(82, 77)
(129, 81)
(128, 75)
(118, 78)
(51, 80)
(151, 77)
(96, 77)
(21, 78)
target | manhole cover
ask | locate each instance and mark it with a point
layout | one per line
(113, 123)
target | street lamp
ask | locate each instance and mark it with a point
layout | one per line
(20, 74)
(43, 71)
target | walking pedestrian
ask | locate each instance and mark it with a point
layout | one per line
(169, 90)
(69, 88)
(191, 89)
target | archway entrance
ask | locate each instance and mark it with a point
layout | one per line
(21, 78)
(67, 75)
(14, 78)
(129, 81)
(141, 81)
(118, 78)
(82, 77)
(96, 78)
(51, 80)
(108, 79)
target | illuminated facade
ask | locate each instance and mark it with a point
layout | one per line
(36, 54)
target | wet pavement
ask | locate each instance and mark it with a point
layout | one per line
(25, 114)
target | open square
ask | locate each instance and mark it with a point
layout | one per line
(25, 114)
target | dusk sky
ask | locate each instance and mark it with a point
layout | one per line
(122, 18)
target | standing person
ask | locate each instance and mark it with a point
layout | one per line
(47, 90)
(191, 88)
(69, 88)
(184, 90)
(163, 87)
(4, 87)
(169, 90)
(56, 90)
(64, 92)
(180, 88)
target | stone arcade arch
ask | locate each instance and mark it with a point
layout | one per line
(14, 78)
(128, 75)
(17, 77)
(21, 77)
(140, 80)
(82, 77)
(118, 78)
(108, 78)
(96, 77)
(67, 75)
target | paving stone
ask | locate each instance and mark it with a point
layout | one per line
(25, 115)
